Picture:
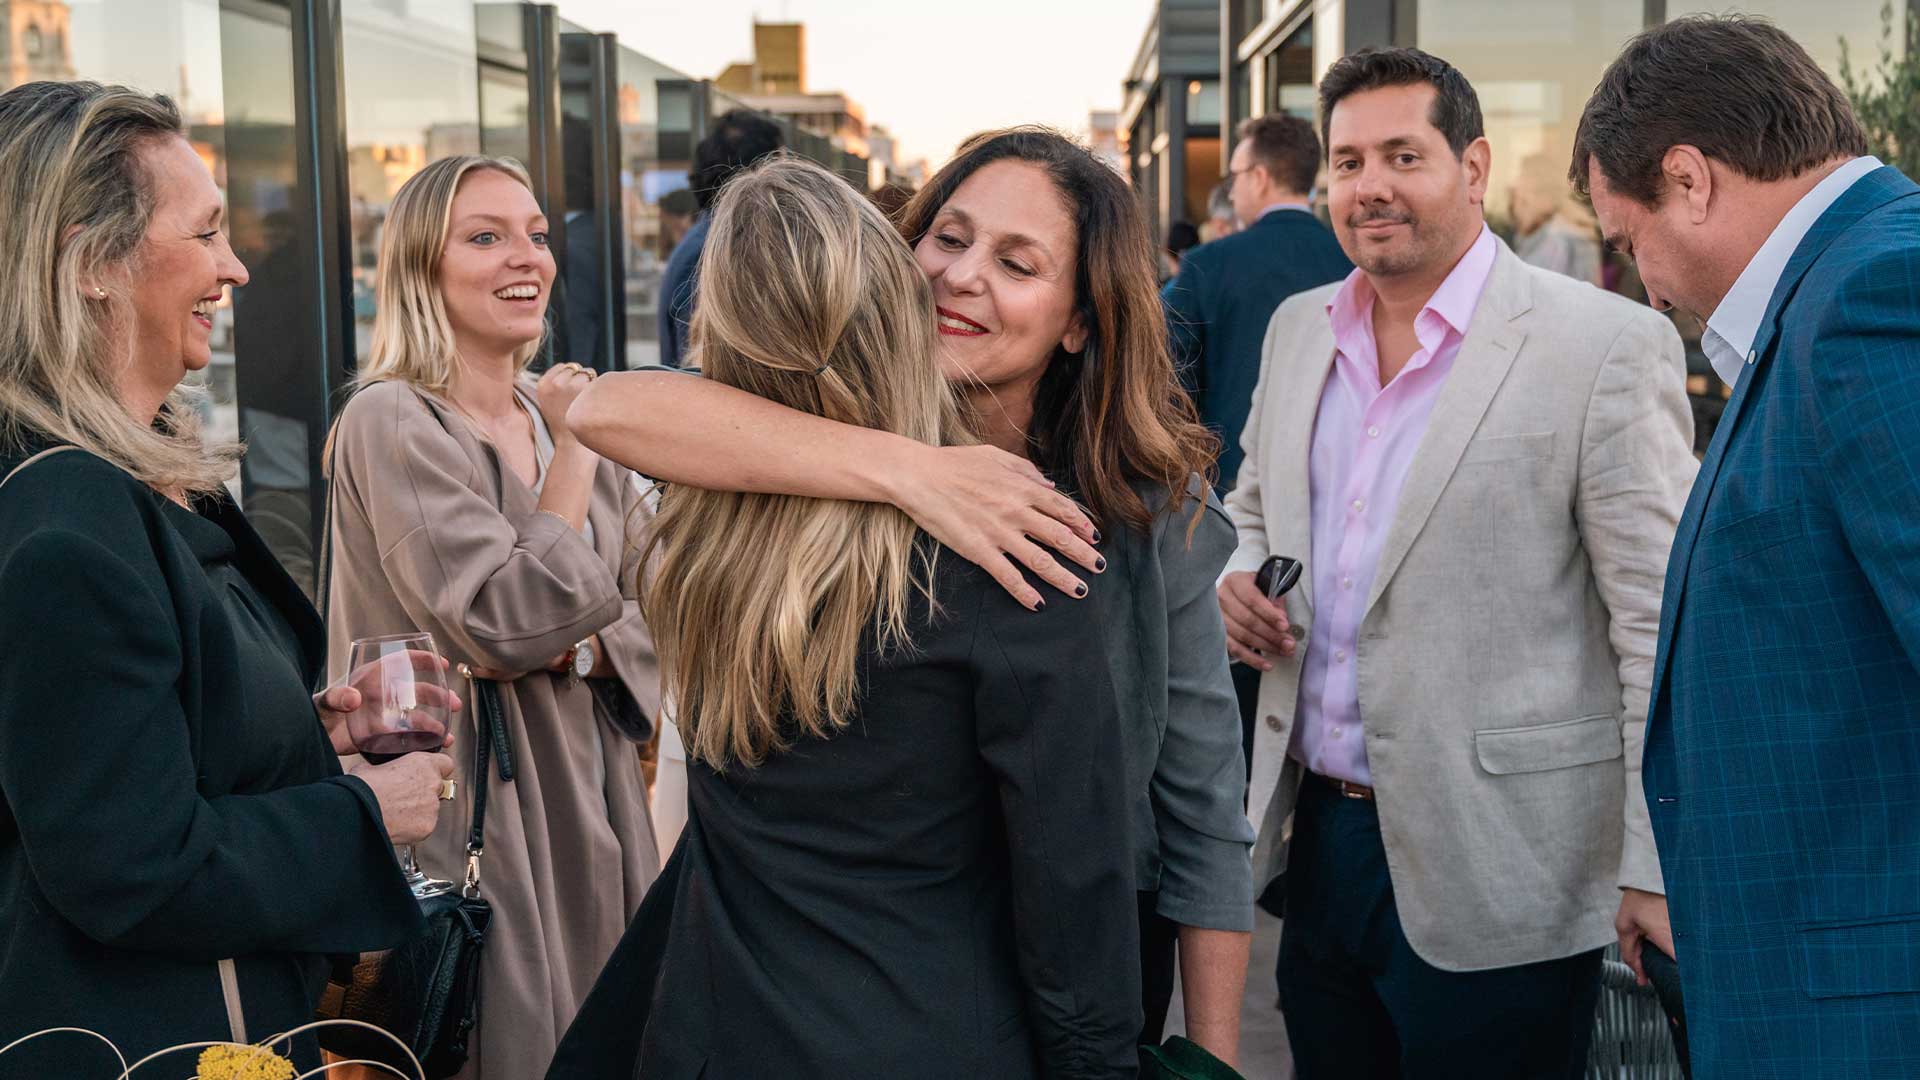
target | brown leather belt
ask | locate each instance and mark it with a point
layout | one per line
(1345, 788)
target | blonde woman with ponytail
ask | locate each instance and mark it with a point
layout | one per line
(179, 850)
(908, 852)
(463, 506)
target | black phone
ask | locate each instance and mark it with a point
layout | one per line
(1278, 574)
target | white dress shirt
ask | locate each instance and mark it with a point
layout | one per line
(1736, 322)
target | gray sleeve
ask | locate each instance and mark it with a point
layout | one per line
(1199, 783)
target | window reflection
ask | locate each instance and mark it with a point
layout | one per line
(656, 148)
(411, 73)
(1533, 66)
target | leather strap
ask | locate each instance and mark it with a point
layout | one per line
(230, 990)
(491, 747)
(42, 454)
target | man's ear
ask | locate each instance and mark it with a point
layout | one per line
(1477, 159)
(1685, 170)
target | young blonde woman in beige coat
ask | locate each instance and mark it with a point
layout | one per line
(463, 506)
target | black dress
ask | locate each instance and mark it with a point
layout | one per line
(170, 797)
(945, 889)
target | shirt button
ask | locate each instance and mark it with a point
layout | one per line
(1273, 723)
(1337, 732)
(1359, 506)
(1340, 656)
(1346, 583)
(1373, 432)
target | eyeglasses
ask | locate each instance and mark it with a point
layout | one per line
(1234, 174)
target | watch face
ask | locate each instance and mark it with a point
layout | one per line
(583, 660)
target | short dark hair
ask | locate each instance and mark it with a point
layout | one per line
(738, 139)
(1286, 147)
(1456, 108)
(1736, 87)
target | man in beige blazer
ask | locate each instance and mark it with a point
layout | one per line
(1482, 465)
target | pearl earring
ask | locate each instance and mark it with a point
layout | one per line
(99, 292)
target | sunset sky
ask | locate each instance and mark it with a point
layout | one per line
(933, 73)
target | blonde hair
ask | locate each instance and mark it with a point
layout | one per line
(760, 604)
(70, 161)
(412, 337)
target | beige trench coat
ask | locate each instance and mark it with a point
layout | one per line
(431, 532)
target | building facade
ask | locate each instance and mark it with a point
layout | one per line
(310, 115)
(1170, 115)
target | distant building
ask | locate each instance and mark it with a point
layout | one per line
(775, 82)
(779, 64)
(1105, 139)
(38, 41)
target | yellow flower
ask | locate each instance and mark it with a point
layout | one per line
(243, 1063)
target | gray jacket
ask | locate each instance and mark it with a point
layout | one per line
(1168, 650)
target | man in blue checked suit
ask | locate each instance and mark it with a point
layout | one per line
(1782, 761)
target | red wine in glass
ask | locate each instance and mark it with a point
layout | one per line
(404, 707)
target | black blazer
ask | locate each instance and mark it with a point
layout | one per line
(945, 889)
(170, 797)
(1219, 306)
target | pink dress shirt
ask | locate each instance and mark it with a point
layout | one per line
(1364, 441)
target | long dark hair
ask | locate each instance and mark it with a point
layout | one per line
(1115, 411)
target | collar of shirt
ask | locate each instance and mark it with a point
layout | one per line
(1303, 207)
(1736, 322)
(1450, 307)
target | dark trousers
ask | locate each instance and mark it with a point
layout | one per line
(1360, 1004)
(1159, 937)
(1246, 687)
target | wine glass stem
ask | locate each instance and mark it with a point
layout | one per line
(410, 868)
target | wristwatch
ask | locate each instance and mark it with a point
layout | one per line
(580, 661)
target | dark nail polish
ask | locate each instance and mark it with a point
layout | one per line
(1096, 536)
(1039, 605)
(1079, 590)
(1100, 564)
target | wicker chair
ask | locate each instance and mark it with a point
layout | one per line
(1630, 1036)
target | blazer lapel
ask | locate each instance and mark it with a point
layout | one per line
(1868, 194)
(1486, 355)
(1290, 482)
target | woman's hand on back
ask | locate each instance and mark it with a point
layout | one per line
(989, 506)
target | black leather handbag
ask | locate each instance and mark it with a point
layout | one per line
(427, 991)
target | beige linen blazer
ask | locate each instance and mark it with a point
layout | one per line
(1507, 643)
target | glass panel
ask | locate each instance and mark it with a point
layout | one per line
(282, 386)
(411, 74)
(657, 207)
(1820, 27)
(1203, 103)
(1533, 66)
(1290, 87)
(503, 113)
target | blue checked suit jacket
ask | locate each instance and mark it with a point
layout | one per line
(1782, 763)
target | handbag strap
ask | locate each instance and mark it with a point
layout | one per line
(15, 471)
(491, 747)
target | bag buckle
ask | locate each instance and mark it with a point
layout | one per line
(471, 887)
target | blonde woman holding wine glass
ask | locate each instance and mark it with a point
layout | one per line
(463, 507)
(179, 849)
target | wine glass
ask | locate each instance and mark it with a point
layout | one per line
(403, 709)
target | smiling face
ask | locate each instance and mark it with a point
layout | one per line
(184, 265)
(1402, 201)
(1001, 256)
(496, 271)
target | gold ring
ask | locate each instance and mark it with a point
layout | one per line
(446, 790)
